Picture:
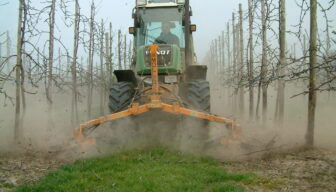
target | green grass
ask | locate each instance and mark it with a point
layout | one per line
(142, 170)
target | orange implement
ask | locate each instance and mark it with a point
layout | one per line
(155, 103)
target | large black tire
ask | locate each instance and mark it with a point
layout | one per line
(121, 94)
(199, 95)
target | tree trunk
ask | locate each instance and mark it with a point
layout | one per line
(219, 52)
(51, 52)
(282, 64)
(119, 50)
(312, 74)
(90, 61)
(212, 61)
(130, 52)
(241, 62)
(234, 45)
(17, 128)
(125, 52)
(59, 63)
(223, 63)
(74, 106)
(68, 65)
(229, 64)
(109, 42)
(223, 50)
(111, 52)
(264, 62)
(23, 96)
(234, 54)
(23, 65)
(108, 60)
(102, 74)
(219, 65)
(251, 59)
(216, 58)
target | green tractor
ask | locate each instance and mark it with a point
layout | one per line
(167, 24)
(164, 76)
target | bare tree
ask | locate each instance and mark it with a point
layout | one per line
(59, 63)
(229, 61)
(74, 106)
(282, 63)
(220, 57)
(312, 74)
(102, 73)
(51, 51)
(125, 51)
(20, 39)
(263, 71)
(223, 49)
(241, 62)
(215, 50)
(8, 45)
(222, 79)
(130, 50)
(251, 59)
(109, 55)
(90, 60)
(212, 55)
(234, 58)
(108, 59)
(119, 50)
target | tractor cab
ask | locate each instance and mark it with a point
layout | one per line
(160, 22)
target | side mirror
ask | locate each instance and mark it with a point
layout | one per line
(131, 30)
(193, 28)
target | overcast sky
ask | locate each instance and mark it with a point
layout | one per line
(210, 16)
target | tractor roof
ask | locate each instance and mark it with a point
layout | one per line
(159, 3)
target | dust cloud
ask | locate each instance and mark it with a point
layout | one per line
(42, 130)
(151, 129)
(268, 134)
(53, 132)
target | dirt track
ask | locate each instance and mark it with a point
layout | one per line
(28, 168)
(313, 170)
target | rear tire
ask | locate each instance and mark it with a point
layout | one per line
(120, 96)
(199, 95)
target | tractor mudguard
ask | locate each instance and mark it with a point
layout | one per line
(126, 75)
(196, 72)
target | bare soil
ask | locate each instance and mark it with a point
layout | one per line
(296, 170)
(20, 169)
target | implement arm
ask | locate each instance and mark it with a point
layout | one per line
(155, 103)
